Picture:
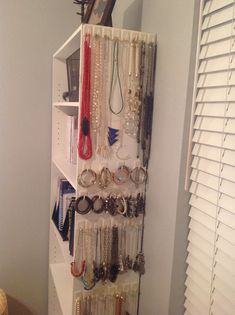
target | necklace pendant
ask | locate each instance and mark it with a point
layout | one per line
(113, 272)
(96, 272)
(128, 263)
(121, 265)
(139, 264)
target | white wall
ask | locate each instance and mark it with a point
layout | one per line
(30, 31)
(127, 14)
(166, 221)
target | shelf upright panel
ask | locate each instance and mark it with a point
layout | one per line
(61, 282)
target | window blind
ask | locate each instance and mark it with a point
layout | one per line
(210, 281)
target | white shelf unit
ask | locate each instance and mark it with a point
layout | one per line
(62, 286)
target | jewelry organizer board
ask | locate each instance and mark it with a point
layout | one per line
(63, 287)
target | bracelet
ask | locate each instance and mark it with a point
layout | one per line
(104, 178)
(87, 178)
(83, 205)
(138, 175)
(121, 205)
(121, 175)
(110, 206)
(98, 204)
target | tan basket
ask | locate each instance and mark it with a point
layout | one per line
(3, 303)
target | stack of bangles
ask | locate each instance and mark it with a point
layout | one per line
(129, 207)
(105, 177)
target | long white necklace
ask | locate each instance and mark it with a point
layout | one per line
(133, 101)
(79, 253)
(102, 139)
(95, 84)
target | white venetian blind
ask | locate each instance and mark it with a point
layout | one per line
(210, 282)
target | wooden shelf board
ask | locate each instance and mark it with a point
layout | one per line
(69, 108)
(67, 169)
(63, 282)
(70, 46)
(66, 104)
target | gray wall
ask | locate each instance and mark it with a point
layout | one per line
(166, 227)
(166, 222)
(30, 31)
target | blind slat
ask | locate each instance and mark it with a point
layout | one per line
(214, 154)
(200, 242)
(224, 216)
(226, 125)
(208, 225)
(222, 94)
(195, 300)
(211, 195)
(213, 5)
(218, 33)
(226, 247)
(198, 291)
(214, 168)
(205, 220)
(225, 275)
(223, 287)
(217, 18)
(214, 182)
(216, 110)
(223, 302)
(226, 261)
(217, 49)
(218, 79)
(219, 63)
(214, 139)
(191, 309)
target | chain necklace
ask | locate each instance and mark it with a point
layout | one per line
(103, 149)
(106, 252)
(114, 268)
(115, 77)
(122, 151)
(142, 72)
(78, 266)
(146, 124)
(88, 275)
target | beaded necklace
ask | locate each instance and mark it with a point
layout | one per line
(146, 124)
(78, 306)
(133, 94)
(103, 148)
(85, 144)
(95, 84)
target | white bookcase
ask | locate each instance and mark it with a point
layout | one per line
(62, 285)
